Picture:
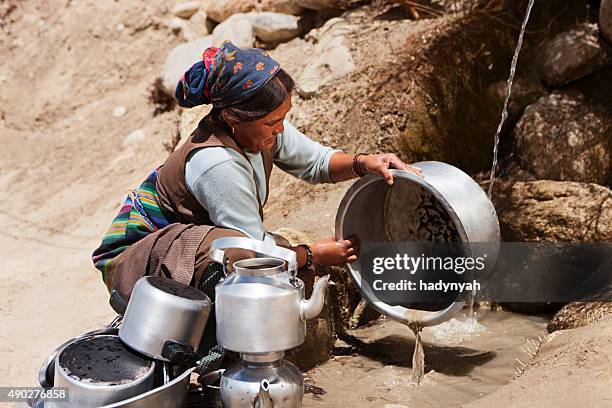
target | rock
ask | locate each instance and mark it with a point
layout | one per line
(180, 59)
(119, 111)
(578, 314)
(189, 121)
(331, 59)
(282, 6)
(176, 24)
(196, 27)
(553, 211)
(573, 54)
(363, 314)
(186, 10)
(238, 29)
(134, 137)
(191, 29)
(605, 19)
(524, 93)
(317, 347)
(220, 10)
(273, 27)
(566, 136)
(323, 4)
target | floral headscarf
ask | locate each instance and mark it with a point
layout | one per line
(225, 76)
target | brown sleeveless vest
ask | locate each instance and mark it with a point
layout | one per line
(174, 196)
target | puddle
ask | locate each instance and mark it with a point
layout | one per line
(464, 360)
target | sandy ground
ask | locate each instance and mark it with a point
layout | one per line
(66, 162)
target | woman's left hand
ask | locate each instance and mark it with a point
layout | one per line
(381, 163)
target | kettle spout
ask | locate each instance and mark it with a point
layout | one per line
(312, 307)
(263, 397)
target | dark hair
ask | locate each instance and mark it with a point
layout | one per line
(257, 106)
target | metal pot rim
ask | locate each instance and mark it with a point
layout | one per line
(91, 386)
(175, 298)
(159, 389)
(242, 267)
(401, 313)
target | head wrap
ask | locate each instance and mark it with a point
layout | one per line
(225, 76)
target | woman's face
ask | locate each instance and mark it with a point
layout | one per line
(260, 134)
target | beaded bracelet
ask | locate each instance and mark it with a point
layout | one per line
(309, 261)
(357, 168)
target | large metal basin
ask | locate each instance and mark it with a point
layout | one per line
(364, 213)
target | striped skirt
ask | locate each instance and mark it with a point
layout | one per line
(140, 215)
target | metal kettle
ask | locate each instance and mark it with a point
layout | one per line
(267, 384)
(260, 306)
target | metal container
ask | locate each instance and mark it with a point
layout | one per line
(211, 387)
(162, 310)
(260, 307)
(100, 370)
(170, 395)
(252, 383)
(376, 212)
(46, 374)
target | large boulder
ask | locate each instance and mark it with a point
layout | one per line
(553, 211)
(331, 58)
(566, 136)
(605, 19)
(577, 314)
(181, 58)
(271, 27)
(238, 29)
(574, 54)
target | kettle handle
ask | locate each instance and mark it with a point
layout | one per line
(218, 245)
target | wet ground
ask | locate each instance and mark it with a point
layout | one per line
(463, 362)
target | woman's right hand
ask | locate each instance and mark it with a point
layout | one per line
(332, 252)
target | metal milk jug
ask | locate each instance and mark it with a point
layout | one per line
(260, 306)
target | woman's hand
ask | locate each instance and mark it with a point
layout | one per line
(330, 252)
(381, 163)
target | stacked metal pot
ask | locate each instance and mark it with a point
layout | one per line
(145, 360)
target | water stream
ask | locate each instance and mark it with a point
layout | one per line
(510, 81)
(470, 326)
(418, 356)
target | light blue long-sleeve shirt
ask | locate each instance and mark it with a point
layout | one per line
(223, 181)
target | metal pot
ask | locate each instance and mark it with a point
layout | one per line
(260, 306)
(373, 211)
(100, 370)
(46, 374)
(170, 395)
(161, 312)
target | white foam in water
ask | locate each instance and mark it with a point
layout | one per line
(456, 331)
